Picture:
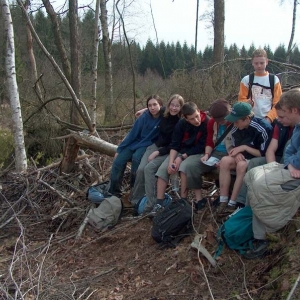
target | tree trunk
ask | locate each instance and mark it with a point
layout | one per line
(20, 153)
(71, 147)
(130, 57)
(95, 64)
(106, 42)
(218, 53)
(58, 39)
(196, 34)
(290, 46)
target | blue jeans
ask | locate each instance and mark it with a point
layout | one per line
(119, 166)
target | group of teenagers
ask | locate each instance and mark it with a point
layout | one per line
(261, 129)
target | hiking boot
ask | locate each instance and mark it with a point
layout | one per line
(157, 209)
(221, 207)
(198, 205)
(260, 249)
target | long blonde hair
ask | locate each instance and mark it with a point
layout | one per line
(181, 102)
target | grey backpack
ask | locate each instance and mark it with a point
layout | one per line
(107, 214)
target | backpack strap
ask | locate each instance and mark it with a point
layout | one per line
(272, 83)
(251, 79)
(221, 138)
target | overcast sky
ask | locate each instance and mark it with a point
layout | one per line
(260, 22)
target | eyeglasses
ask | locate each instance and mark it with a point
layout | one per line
(175, 105)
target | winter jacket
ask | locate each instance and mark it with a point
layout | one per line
(188, 138)
(258, 136)
(143, 133)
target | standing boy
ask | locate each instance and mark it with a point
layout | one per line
(274, 189)
(265, 89)
(188, 142)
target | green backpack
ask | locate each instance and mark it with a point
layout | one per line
(236, 232)
(107, 214)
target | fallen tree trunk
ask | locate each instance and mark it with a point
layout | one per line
(85, 140)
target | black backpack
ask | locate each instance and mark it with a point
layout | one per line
(271, 87)
(172, 224)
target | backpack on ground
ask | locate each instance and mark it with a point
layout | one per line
(251, 83)
(172, 224)
(96, 193)
(141, 204)
(236, 232)
(107, 214)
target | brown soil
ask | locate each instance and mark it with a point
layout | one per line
(40, 257)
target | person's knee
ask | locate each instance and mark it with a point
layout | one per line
(241, 167)
(226, 162)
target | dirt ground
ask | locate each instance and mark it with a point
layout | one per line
(41, 258)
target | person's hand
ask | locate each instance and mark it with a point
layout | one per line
(233, 152)
(140, 112)
(172, 168)
(295, 173)
(205, 157)
(116, 154)
(153, 155)
(239, 157)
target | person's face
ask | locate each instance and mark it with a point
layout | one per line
(259, 64)
(291, 114)
(153, 107)
(282, 118)
(194, 119)
(242, 123)
(174, 107)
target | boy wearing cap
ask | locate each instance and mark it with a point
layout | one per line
(259, 93)
(192, 174)
(250, 137)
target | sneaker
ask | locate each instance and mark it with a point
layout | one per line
(260, 249)
(156, 210)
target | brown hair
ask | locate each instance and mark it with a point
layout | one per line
(189, 108)
(259, 53)
(181, 102)
(290, 99)
(157, 98)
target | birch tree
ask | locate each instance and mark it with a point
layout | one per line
(13, 92)
(106, 42)
(95, 63)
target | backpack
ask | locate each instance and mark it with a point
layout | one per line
(141, 204)
(236, 232)
(96, 193)
(271, 87)
(107, 214)
(172, 224)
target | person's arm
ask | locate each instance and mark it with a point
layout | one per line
(208, 151)
(240, 149)
(133, 133)
(292, 156)
(140, 112)
(270, 154)
(243, 92)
